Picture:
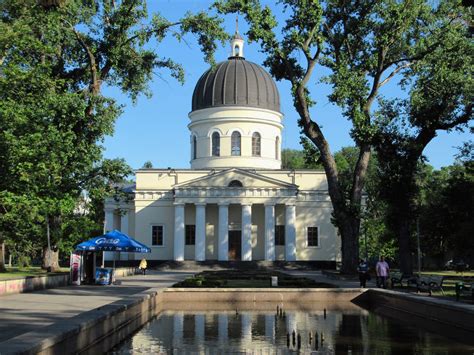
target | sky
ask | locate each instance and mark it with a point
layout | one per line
(155, 129)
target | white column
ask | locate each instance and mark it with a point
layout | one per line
(223, 248)
(246, 232)
(109, 220)
(179, 232)
(124, 229)
(199, 326)
(270, 232)
(200, 246)
(290, 233)
(178, 325)
(247, 326)
(222, 328)
(270, 327)
(290, 322)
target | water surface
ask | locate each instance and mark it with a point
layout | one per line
(354, 331)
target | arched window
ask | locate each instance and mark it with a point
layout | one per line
(256, 143)
(235, 183)
(194, 147)
(235, 143)
(277, 148)
(216, 144)
(236, 50)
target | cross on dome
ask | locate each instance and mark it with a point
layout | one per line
(237, 41)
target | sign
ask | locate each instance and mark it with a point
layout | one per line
(76, 267)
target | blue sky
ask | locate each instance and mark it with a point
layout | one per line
(156, 129)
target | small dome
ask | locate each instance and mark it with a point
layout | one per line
(236, 82)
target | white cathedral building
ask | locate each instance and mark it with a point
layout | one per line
(235, 203)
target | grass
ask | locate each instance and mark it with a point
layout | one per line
(248, 279)
(19, 273)
(450, 273)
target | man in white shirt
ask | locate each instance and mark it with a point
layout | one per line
(382, 271)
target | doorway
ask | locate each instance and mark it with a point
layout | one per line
(235, 245)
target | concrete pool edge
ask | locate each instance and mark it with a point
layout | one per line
(388, 302)
(102, 328)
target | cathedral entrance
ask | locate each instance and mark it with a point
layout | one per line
(235, 245)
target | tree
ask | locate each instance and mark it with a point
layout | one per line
(446, 212)
(365, 45)
(147, 165)
(440, 98)
(55, 57)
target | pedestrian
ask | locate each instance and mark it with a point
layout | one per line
(143, 265)
(363, 270)
(382, 271)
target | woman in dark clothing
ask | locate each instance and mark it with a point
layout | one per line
(363, 270)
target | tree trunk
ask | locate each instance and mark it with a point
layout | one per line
(2, 257)
(349, 230)
(405, 257)
(50, 259)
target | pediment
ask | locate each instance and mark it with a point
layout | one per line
(248, 179)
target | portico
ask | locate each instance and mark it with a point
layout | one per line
(235, 230)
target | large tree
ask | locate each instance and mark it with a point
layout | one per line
(55, 58)
(365, 45)
(440, 98)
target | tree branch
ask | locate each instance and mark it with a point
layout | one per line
(393, 73)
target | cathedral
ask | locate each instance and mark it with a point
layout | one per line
(235, 202)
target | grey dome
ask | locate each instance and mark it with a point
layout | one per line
(236, 82)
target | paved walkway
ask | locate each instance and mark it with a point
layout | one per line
(26, 312)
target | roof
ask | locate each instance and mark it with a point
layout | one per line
(236, 82)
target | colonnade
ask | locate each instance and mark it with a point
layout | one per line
(223, 232)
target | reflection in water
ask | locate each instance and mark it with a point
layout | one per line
(296, 331)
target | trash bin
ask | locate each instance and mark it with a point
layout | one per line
(103, 276)
(274, 281)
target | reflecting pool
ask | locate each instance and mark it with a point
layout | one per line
(334, 331)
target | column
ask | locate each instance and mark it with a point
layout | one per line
(270, 232)
(270, 327)
(222, 328)
(179, 231)
(290, 322)
(290, 233)
(247, 326)
(108, 226)
(223, 247)
(199, 327)
(246, 232)
(178, 325)
(109, 220)
(124, 229)
(200, 245)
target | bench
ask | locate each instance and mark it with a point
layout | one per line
(463, 289)
(399, 278)
(430, 283)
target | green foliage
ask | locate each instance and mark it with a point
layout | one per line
(55, 56)
(147, 165)
(446, 212)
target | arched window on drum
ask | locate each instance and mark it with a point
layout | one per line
(216, 144)
(235, 143)
(256, 144)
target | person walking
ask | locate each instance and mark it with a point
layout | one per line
(143, 265)
(382, 271)
(363, 270)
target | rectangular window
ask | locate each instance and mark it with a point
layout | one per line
(279, 235)
(313, 236)
(190, 234)
(157, 235)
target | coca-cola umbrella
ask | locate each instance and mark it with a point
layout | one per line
(114, 241)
